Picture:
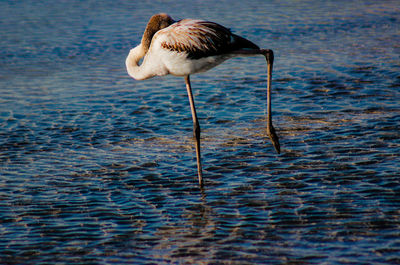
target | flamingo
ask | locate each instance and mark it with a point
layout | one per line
(190, 46)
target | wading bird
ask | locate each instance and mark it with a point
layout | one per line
(189, 46)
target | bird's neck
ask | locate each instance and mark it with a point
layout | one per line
(132, 63)
(137, 53)
(144, 71)
(147, 37)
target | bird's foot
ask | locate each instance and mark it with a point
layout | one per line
(274, 138)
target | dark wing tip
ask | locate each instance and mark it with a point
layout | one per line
(240, 43)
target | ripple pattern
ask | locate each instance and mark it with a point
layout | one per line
(96, 168)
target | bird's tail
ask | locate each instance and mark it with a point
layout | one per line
(240, 43)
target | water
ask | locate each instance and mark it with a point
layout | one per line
(97, 168)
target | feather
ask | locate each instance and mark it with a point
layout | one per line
(199, 39)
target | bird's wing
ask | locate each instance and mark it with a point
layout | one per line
(198, 38)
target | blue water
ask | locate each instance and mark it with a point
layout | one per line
(97, 168)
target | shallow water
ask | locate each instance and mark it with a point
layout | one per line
(98, 168)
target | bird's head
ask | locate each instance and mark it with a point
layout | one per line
(162, 20)
(156, 23)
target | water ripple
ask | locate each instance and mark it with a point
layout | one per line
(99, 168)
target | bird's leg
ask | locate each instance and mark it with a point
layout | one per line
(269, 56)
(196, 129)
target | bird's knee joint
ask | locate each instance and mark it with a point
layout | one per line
(196, 130)
(269, 55)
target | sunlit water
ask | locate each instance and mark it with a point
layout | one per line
(98, 168)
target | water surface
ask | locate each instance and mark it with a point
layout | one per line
(98, 168)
